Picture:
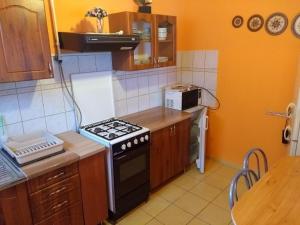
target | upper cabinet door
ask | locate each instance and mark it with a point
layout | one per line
(24, 42)
(142, 25)
(165, 41)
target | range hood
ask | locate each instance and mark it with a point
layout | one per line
(94, 42)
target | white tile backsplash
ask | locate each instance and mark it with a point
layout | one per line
(34, 105)
(211, 59)
(187, 58)
(153, 83)
(199, 78)
(119, 87)
(9, 108)
(187, 77)
(133, 105)
(144, 102)
(132, 87)
(143, 85)
(53, 101)
(210, 80)
(57, 123)
(31, 105)
(14, 129)
(34, 125)
(199, 59)
(121, 107)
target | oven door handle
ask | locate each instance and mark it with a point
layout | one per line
(121, 157)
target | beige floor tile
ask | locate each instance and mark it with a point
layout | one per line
(196, 221)
(136, 217)
(186, 182)
(212, 165)
(227, 171)
(191, 203)
(171, 192)
(206, 191)
(154, 222)
(223, 200)
(215, 215)
(217, 181)
(155, 205)
(195, 174)
(174, 216)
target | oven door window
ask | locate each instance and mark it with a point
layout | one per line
(130, 172)
(132, 167)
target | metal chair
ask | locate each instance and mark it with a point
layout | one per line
(233, 191)
(257, 152)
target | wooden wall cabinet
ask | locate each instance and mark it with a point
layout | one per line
(153, 50)
(169, 152)
(24, 42)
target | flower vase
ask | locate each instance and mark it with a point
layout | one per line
(100, 25)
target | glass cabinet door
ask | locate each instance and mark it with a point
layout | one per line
(142, 25)
(165, 40)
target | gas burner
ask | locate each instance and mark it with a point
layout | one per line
(112, 128)
(111, 135)
(97, 130)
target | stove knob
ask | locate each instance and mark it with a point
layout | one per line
(136, 141)
(123, 147)
(129, 144)
(147, 137)
(142, 139)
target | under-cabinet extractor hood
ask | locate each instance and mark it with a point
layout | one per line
(94, 42)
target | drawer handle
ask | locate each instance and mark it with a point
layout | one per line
(56, 176)
(59, 205)
(57, 191)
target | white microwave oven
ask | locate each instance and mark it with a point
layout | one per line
(182, 97)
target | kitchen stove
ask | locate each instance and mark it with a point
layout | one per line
(127, 162)
(112, 128)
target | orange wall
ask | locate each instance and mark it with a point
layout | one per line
(256, 70)
(256, 74)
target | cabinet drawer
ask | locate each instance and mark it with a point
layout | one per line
(41, 211)
(55, 191)
(69, 216)
(53, 177)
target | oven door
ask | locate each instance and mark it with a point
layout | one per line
(131, 170)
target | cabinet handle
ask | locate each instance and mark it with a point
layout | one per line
(59, 205)
(56, 176)
(174, 130)
(57, 191)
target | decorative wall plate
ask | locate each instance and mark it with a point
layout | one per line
(276, 23)
(255, 23)
(296, 26)
(237, 21)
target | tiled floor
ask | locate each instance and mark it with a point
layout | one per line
(191, 199)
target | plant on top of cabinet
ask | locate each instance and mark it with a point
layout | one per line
(157, 46)
(24, 43)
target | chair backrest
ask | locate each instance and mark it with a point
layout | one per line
(259, 156)
(233, 190)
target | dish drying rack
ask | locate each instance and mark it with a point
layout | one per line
(29, 148)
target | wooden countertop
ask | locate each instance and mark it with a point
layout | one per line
(157, 118)
(275, 199)
(76, 146)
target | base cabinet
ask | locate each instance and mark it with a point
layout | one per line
(169, 152)
(71, 195)
(14, 206)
